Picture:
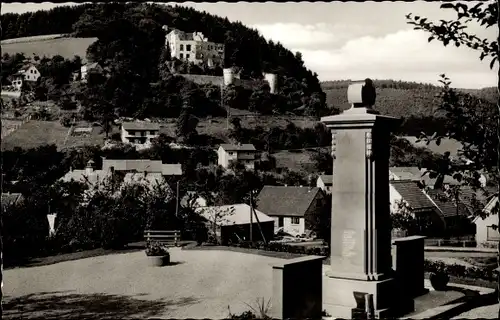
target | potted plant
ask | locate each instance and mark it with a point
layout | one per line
(157, 254)
(438, 276)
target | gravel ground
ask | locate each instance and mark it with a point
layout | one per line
(486, 312)
(201, 285)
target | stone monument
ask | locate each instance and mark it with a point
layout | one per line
(360, 222)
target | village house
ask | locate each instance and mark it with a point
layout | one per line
(325, 183)
(451, 217)
(233, 222)
(139, 133)
(417, 175)
(407, 197)
(142, 166)
(242, 153)
(486, 234)
(87, 68)
(294, 209)
(90, 176)
(194, 47)
(28, 73)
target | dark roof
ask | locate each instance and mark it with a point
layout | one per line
(327, 179)
(9, 199)
(447, 207)
(241, 147)
(143, 125)
(286, 201)
(412, 194)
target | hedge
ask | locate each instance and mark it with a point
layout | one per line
(460, 271)
(283, 247)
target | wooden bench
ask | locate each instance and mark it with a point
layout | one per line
(167, 237)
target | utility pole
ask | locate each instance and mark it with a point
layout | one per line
(252, 209)
(177, 201)
(251, 217)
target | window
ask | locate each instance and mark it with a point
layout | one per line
(188, 47)
(295, 220)
(182, 48)
(187, 56)
(181, 56)
(230, 153)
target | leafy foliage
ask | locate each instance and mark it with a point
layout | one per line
(154, 248)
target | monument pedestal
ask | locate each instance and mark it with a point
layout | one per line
(361, 228)
(339, 300)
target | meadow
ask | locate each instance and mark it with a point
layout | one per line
(48, 46)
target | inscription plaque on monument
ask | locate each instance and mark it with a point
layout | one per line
(348, 243)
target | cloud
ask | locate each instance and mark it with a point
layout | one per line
(402, 55)
(319, 35)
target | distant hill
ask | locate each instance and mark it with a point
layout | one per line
(399, 98)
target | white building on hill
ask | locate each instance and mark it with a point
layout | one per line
(194, 47)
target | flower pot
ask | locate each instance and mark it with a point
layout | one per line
(159, 261)
(439, 281)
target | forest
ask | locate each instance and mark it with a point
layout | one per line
(131, 49)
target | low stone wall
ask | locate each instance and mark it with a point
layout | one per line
(298, 288)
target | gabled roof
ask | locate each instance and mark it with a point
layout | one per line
(412, 194)
(416, 174)
(327, 179)
(406, 173)
(142, 165)
(94, 177)
(142, 125)
(236, 147)
(9, 199)
(235, 214)
(286, 201)
(447, 207)
(92, 65)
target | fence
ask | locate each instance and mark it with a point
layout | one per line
(450, 243)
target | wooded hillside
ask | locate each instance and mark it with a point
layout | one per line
(399, 98)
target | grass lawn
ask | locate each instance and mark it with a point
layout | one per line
(36, 133)
(48, 46)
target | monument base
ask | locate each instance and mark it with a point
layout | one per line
(339, 300)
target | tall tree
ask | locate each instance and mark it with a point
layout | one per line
(474, 122)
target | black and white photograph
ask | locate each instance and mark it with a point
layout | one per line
(250, 160)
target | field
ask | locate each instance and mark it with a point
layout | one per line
(36, 133)
(446, 145)
(48, 46)
(8, 126)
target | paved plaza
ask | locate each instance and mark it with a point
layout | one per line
(201, 285)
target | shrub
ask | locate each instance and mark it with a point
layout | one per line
(283, 247)
(460, 271)
(154, 248)
(116, 136)
(66, 120)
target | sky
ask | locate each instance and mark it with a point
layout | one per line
(354, 40)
